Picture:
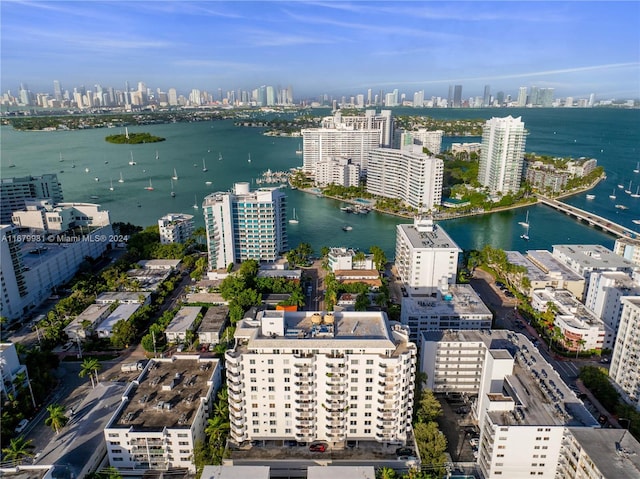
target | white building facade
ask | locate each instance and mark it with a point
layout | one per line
(408, 174)
(625, 361)
(311, 376)
(337, 171)
(245, 225)
(604, 294)
(502, 154)
(175, 228)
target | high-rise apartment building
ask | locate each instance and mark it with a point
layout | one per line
(407, 174)
(625, 361)
(430, 139)
(347, 137)
(175, 228)
(457, 96)
(337, 171)
(15, 191)
(426, 256)
(306, 376)
(502, 155)
(245, 224)
(486, 97)
(605, 293)
(522, 96)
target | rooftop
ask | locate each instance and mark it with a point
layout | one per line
(570, 309)
(459, 299)
(542, 266)
(592, 256)
(422, 236)
(184, 319)
(234, 472)
(614, 452)
(214, 318)
(123, 311)
(159, 263)
(167, 394)
(121, 296)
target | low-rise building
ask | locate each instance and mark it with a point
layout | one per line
(49, 218)
(162, 415)
(183, 321)
(10, 368)
(124, 297)
(458, 307)
(235, 472)
(84, 324)
(122, 313)
(348, 258)
(581, 329)
(213, 324)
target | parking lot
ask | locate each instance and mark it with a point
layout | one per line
(458, 426)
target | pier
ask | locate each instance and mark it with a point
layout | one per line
(593, 220)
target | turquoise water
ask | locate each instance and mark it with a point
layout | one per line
(611, 136)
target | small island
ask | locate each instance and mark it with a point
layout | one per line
(133, 138)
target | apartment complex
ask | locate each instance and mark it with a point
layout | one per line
(349, 137)
(502, 155)
(604, 295)
(309, 376)
(426, 256)
(44, 217)
(245, 224)
(625, 362)
(162, 415)
(628, 248)
(337, 171)
(408, 174)
(348, 259)
(14, 192)
(522, 406)
(175, 228)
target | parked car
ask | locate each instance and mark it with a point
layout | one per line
(318, 447)
(21, 426)
(404, 451)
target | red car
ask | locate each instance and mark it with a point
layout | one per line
(318, 447)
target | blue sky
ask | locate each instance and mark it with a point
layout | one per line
(338, 48)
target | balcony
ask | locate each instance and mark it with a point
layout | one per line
(235, 396)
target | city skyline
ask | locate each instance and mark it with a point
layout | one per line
(576, 48)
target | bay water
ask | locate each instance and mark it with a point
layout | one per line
(610, 135)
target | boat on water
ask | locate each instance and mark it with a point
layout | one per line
(111, 187)
(204, 166)
(637, 193)
(175, 175)
(173, 193)
(347, 228)
(613, 194)
(628, 190)
(97, 179)
(637, 168)
(636, 222)
(220, 156)
(94, 197)
(208, 183)
(61, 158)
(121, 180)
(72, 165)
(157, 155)
(299, 150)
(294, 219)
(195, 204)
(525, 235)
(591, 197)
(249, 160)
(150, 187)
(131, 161)
(525, 223)
(86, 170)
(622, 207)
(346, 209)
(621, 186)
(13, 165)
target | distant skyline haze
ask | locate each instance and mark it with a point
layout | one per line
(335, 48)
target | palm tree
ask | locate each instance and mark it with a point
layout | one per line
(90, 366)
(386, 473)
(57, 419)
(580, 342)
(18, 448)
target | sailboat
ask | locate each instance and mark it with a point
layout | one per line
(195, 204)
(525, 235)
(637, 168)
(613, 194)
(121, 180)
(637, 193)
(628, 190)
(111, 187)
(249, 160)
(157, 155)
(131, 162)
(294, 220)
(525, 223)
(299, 150)
(73, 165)
(220, 156)
(175, 175)
(61, 159)
(173, 193)
(204, 166)
(150, 187)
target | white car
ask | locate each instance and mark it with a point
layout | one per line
(21, 426)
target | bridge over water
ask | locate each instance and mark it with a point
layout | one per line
(592, 219)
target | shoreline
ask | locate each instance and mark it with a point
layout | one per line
(453, 215)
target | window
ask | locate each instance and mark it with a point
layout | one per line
(252, 361)
(369, 362)
(269, 361)
(270, 371)
(252, 371)
(286, 371)
(368, 371)
(369, 380)
(367, 431)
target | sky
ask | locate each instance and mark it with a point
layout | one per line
(331, 47)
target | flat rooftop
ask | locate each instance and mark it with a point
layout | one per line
(184, 319)
(123, 311)
(458, 300)
(537, 389)
(614, 452)
(542, 266)
(572, 311)
(235, 472)
(214, 318)
(159, 263)
(312, 330)
(435, 239)
(168, 394)
(593, 256)
(623, 281)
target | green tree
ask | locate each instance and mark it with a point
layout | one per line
(580, 342)
(429, 407)
(432, 444)
(379, 258)
(19, 448)
(57, 418)
(90, 366)
(123, 333)
(386, 473)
